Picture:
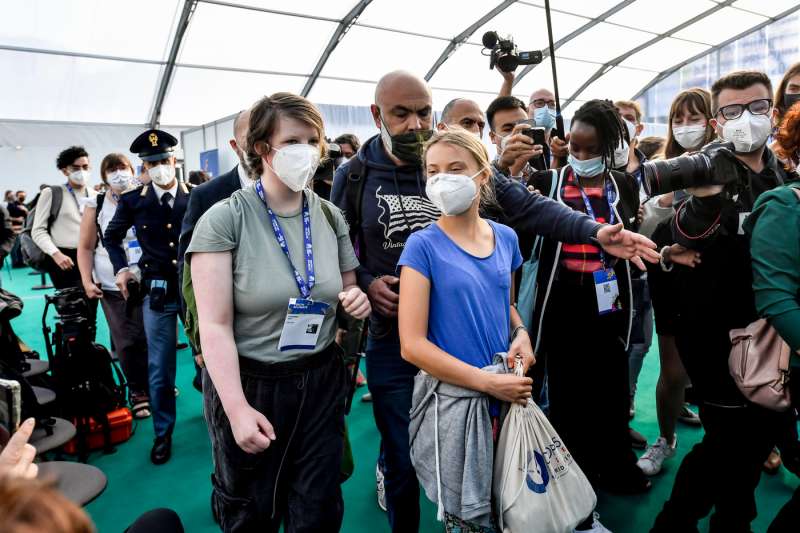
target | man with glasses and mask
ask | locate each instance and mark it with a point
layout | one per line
(723, 470)
(156, 211)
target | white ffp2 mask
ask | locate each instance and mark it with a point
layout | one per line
(119, 180)
(295, 165)
(689, 137)
(452, 194)
(748, 133)
(162, 174)
(79, 177)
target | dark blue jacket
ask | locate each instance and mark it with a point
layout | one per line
(156, 231)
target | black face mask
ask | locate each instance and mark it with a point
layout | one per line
(790, 99)
(405, 146)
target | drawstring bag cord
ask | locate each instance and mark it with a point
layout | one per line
(440, 505)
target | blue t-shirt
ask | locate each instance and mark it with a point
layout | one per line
(470, 303)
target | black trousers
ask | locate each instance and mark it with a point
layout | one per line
(296, 480)
(127, 332)
(721, 472)
(587, 372)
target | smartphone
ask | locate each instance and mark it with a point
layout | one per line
(10, 404)
(536, 133)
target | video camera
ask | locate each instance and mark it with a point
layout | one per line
(70, 304)
(504, 54)
(714, 164)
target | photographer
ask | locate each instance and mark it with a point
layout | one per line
(716, 296)
(542, 109)
(348, 145)
(515, 149)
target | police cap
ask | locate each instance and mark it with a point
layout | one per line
(154, 145)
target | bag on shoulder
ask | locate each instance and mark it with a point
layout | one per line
(759, 363)
(537, 487)
(530, 271)
(32, 255)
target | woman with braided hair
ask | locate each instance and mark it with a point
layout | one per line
(583, 313)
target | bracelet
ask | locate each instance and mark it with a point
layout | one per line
(516, 330)
(663, 263)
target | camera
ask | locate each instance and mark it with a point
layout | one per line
(714, 164)
(70, 304)
(504, 54)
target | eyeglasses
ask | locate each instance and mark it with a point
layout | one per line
(541, 102)
(756, 107)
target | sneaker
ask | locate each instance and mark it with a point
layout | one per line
(638, 441)
(689, 417)
(361, 380)
(367, 397)
(631, 410)
(379, 488)
(597, 527)
(651, 462)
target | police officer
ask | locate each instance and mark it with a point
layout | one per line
(155, 210)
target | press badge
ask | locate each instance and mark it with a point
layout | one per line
(742, 219)
(302, 325)
(134, 252)
(605, 284)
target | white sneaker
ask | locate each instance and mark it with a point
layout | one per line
(597, 527)
(650, 463)
(379, 488)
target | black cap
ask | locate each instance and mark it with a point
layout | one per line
(154, 145)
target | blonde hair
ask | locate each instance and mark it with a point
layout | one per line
(264, 118)
(458, 136)
(637, 109)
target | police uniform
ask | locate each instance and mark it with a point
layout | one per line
(155, 214)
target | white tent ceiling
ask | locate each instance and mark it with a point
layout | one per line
(187, 62)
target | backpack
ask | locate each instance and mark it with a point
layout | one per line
(32, 255)
(191, 323)
(354, 193)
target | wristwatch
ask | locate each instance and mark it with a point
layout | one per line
(516, 331)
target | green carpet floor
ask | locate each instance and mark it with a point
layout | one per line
(135, 485)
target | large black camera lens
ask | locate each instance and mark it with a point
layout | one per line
(663, 176)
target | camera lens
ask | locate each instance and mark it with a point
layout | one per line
(507, 62)
(663, 176)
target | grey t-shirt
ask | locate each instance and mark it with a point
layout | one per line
(263, 281)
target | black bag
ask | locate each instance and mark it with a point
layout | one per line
(32, 255)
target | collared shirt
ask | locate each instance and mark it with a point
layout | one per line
(172, 190)
(244, 179)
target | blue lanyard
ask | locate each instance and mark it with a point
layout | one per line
(74, 196)
(610, 196)
(304, 287)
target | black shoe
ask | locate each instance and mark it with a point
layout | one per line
(181, 346)
(197, 382)
(638, 441)
(162, 450)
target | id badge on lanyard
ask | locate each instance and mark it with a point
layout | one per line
(133, 250)
(304, 316)
(605, 280)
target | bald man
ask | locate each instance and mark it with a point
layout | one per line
(465, 113)
(382, 193)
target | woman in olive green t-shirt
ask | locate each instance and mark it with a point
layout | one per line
(269, 267)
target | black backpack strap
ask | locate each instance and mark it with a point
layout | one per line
(100, 199)
(55, 204)
(354, 193)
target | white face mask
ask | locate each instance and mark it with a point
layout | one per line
(162, 175)
(621, 155)
(295, 165)
(452, 194)
(631, 129)
(748, 133)
(689, 137)
(119, 180)
(79, 177)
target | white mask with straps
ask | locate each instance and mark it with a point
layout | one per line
(689, 137)
(79, 177)
(748, 133)
(162, 175)
(452, 194)
(295, 165)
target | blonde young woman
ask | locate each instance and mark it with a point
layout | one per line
(269, 266)
(455, 313)
(97, 275)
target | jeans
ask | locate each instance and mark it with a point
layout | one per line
(721, 471)
(391, 382)
(296, 480)
(160, 328)
(641, 330)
